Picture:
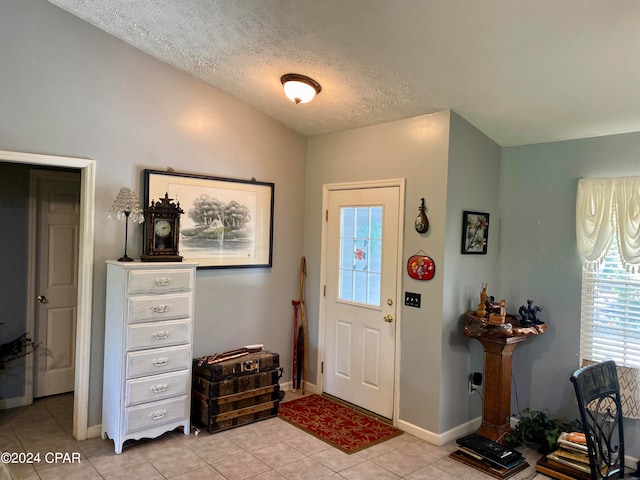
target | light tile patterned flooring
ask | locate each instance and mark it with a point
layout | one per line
(270, 449)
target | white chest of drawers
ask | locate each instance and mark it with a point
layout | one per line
(147, 350)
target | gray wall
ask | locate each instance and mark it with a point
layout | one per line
(454, 167)
(539, 259)
(472, 184)
(415, 149)
(70, 89)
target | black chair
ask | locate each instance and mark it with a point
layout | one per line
(598, 395)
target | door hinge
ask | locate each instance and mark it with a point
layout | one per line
(321, 367)
(325, 291)
(326, 215)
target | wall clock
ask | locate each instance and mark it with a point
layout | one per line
(162, 231)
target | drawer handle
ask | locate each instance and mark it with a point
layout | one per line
(161, 335)
(159, 308)
(160, 362)
(161, 387)
(158, 414)
(163, 281)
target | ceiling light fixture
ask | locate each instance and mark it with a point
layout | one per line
(299, 88)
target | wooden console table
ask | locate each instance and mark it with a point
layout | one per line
(498, 344)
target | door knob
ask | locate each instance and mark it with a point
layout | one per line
(388, 318)
(42, 299)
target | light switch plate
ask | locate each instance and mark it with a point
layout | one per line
(412, 299)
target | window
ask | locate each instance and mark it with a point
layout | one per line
(608, 236)
(360, 254)
(611, 311)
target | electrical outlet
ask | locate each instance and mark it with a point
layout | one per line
(473, 387)
(475, 381)
(412, 299)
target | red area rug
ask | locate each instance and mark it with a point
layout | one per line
(336, 424)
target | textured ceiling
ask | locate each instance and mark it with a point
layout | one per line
(522, 71)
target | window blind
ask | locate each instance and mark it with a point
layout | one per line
(611, 311)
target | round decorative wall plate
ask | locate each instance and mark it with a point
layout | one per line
(421, 267)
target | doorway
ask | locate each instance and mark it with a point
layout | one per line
(360, 330)
(56, 217)
(85, 284)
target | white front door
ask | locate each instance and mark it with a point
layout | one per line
(58, 218)
(361, 267)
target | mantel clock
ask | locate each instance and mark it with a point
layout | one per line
(162, 231)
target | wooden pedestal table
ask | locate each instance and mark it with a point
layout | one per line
(498, 345)
(496, 408)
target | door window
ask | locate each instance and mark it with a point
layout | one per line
(360, 254)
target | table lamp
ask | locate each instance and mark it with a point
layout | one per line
(124, 206)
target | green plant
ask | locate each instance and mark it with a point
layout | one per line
(541, 428)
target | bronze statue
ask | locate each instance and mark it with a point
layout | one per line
(528, 314)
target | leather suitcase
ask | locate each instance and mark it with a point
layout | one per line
(245, 365)
(232, 385)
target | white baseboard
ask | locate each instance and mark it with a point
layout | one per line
(14, 402)
(94, 431)
(440, 439)
(309, 388)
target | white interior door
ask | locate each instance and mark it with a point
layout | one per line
(58, 219)
(363, 228)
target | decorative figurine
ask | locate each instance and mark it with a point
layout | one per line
(494, 312)
(528, 314)
(498, 312)
(481, 311)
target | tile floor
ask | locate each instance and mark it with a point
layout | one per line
(271, 449)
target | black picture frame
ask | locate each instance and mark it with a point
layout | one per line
(475, 233)
(227, 222)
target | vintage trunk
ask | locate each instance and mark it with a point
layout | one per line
(248, 364)
(232, 385)
(235, 392)
(234, 418)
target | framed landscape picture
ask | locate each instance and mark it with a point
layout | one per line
(475, 232)
(227, 223)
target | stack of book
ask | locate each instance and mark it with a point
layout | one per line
(569, 461)
(488, 456)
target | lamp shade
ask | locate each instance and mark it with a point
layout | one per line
(126, 205)
(299, 88)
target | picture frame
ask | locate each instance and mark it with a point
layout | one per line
(227, 223)
(475, 233)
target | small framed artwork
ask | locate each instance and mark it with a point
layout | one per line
(227, 223)
(475, 233)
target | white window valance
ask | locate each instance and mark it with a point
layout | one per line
(605, 206)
